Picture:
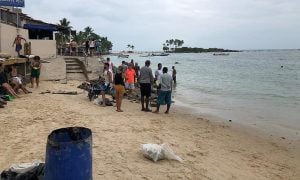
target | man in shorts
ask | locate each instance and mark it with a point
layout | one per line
(164, 96)
(18, 43)
(35, 71)
(174, 72)
(146, 78)
(130, 77)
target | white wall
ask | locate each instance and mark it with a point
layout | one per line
(43, 48)
(7, 36)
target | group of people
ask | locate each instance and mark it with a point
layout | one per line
(11, 82)
(92, 47)
(128, 76)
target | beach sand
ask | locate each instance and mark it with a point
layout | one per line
(209, 149)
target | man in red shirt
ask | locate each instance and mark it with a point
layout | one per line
(130, 78)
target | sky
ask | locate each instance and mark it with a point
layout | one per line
(147, 24)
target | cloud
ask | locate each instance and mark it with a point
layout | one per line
(203, 23)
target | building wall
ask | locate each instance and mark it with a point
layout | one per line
(42, 48)
(7, 36)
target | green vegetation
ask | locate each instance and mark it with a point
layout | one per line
(130, 47)
(65, 32)
(172, 44)
(201, 50)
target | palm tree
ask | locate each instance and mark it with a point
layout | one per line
(181, 43)
(88, 31)
(132, 47)
(171, 41)
(64, 29)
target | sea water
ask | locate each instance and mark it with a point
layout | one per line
(257, 87)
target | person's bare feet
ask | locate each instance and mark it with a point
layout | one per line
(167, 112)
(156, 112)
(119, 110)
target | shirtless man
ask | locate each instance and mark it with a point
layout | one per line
(35, 71)
(18, 44)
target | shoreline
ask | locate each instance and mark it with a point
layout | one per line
(210, 149)
(265, 128)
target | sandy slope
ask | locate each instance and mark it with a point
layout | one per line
(210, 150)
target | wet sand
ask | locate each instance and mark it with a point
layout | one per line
(209, 149)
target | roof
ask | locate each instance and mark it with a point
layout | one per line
(47, 27)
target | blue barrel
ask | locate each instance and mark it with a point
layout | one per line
(69, 154)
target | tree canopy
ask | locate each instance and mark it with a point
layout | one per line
(87, 34)
(172, 44)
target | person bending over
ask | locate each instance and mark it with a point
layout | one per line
(17, 80)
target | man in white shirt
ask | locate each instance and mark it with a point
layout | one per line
(164, 96)
(158, 72)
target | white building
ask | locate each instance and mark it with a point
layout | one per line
(38, 33)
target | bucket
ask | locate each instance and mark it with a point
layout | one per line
(69, 154)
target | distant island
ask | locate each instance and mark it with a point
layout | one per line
(175, 46)
(201, 50)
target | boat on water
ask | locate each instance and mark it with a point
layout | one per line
(123, 56)
(221, 54)
(155, 54)
(160, 54)
(147, 55)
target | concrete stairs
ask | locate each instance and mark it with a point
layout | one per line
(75, 69)
(72, 66)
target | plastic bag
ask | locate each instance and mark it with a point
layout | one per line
(24, 167)
(97, 101)
(157, 152)
(23, 172)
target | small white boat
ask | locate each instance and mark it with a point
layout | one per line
(221, 54)
(123, 56)
(160, 54)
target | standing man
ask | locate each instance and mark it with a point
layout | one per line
(110, 65)
(36, 66)
(87, 47)
(137, 71)
(18, 43)
(73, 45)
(174, 72)
(97, 47)
(158, 72)
(92, 47)
(146, 78)
(164, 96)
(107, 75)
(130, 78)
